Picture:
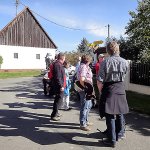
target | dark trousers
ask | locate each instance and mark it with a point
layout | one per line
(58, 98)
(115, 126)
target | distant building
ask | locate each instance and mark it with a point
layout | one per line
(24, 44)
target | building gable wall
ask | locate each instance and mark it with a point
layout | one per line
(25, 30)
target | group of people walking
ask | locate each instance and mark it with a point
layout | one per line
(110, 82)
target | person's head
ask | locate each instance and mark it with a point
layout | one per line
(100, 57)
(86, 59)
(61, 57)
(113, 48)
(66, 64)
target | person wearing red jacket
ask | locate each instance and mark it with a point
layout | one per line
(97, 65)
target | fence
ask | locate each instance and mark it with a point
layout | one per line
(140, 73)
(135, 78)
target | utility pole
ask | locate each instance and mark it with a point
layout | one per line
(17, 3)
(108, 32)
(108, 36)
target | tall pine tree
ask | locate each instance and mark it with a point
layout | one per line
(83, 46)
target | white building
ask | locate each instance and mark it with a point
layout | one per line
(19, 57)
(24, 44)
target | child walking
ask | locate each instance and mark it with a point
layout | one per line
(66, 97)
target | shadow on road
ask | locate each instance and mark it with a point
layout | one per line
(139, 122)
(38, 127)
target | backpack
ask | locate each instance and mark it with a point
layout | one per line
(50, 73)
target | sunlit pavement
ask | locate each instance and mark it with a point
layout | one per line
(25, 122)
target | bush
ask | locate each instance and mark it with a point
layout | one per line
(1, 60)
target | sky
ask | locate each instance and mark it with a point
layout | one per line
(76, 14)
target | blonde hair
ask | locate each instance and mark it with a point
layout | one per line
(113, 48)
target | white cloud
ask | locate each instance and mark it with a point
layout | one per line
(70, 22)
(67, 20)
(60, 17)
(99, 30)
(102, 30)
(67, 46)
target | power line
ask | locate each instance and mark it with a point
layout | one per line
(59, 24)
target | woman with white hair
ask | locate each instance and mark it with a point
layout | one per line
(98, 64)
(113, 103)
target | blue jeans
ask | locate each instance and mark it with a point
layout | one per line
(85, 108)
(115, 126)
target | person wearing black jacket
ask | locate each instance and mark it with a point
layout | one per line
(58, 80)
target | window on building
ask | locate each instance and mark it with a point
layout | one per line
(37, 56)
(16, 55)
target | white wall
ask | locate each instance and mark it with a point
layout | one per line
(139, 88)
(135, 87)
(26, 57)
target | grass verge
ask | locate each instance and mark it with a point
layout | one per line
(4, 75)
(139, 102)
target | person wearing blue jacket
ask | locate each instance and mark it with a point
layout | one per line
(66, 96)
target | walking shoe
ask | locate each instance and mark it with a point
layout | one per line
(59, 115)
(55, 118)
(89, 123)
(68, 109)
(104, 132)
(121, 138)
(108, 143)
(85, 128)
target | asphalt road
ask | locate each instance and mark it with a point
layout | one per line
(25, 122)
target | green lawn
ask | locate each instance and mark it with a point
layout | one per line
(139, 102)
(4, 75)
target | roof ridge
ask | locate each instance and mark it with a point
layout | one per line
(28, 9)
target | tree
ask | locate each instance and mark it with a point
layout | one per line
(145, 56)
(138, 30)
(72, 57)
(83, 47)
(127, 49)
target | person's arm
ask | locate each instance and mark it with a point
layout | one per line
(97, 68)
(99, 85)
(83, 71)
(101, 76)
(58, 75)
(82, 80)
